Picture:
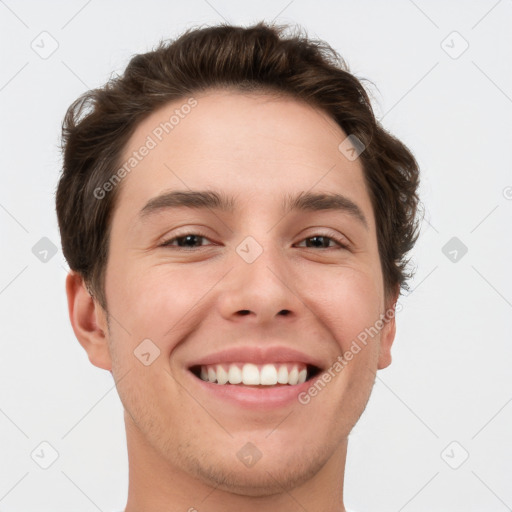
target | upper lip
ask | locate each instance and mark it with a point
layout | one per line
(257, 355)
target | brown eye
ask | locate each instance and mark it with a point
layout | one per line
(186, 241)
(323, 241)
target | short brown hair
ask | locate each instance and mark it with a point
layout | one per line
(98, 125)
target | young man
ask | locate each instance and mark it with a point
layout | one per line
(236, 222)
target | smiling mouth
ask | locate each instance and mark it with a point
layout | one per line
(256, 375)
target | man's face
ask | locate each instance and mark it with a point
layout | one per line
(258, 284)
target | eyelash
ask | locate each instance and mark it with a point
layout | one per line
(167, 243)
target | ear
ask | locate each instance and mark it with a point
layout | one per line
(89, 321)
(387, 335)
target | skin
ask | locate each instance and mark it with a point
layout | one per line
(182, 445)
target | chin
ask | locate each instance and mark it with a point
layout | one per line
(271, 474)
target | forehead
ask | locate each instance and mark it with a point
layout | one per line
(253, 146)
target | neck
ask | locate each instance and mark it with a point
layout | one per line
(156, 485)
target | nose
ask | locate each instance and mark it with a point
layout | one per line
(260, 291)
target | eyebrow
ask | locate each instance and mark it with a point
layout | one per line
(209, 199)
(315, 202)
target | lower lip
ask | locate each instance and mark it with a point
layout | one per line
(261, 398)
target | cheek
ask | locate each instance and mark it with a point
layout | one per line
(346, 301)
(156, 302)
(163, 302)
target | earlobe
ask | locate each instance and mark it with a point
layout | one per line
(386, 341)
(88, 321)
(387, 337)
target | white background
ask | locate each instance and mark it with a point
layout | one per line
(450, 379)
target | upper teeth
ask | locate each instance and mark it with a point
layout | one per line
(252, 374)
